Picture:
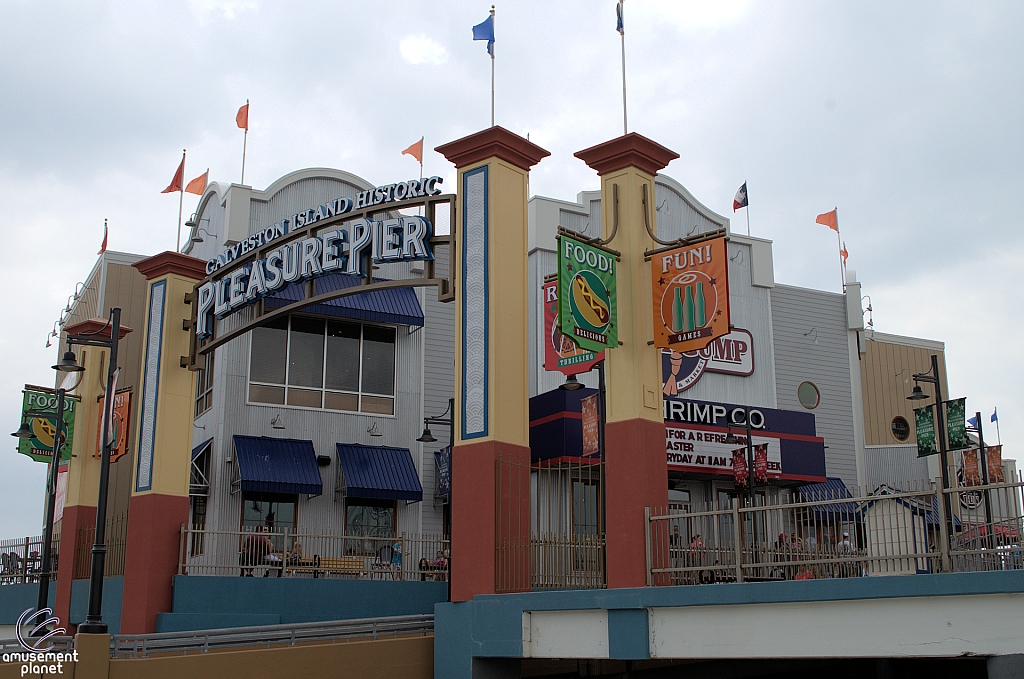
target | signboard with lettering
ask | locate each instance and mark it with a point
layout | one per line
(924, 419)
(443, 460)
(42, 402)
(120, 417)
(956, 427)
(696, 431)
(690, 287)
(586, 294)
(994, 457)
(561, 354)
(731, 354)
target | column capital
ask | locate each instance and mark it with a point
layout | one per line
(171, 262)
(95, 326)
(494, 141)
(628, 150)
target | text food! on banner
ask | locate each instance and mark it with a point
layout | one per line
(586, 294)
(44, 427)
(690, 287)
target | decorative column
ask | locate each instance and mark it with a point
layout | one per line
(159, 502)
(491, 454)
(636, 471)
(84, 466)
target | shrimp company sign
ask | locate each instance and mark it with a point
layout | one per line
(340, 249)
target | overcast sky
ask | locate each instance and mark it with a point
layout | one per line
(907, 116)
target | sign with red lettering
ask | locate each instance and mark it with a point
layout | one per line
(561, 354)
(731, 354)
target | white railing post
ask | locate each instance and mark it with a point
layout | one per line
(944, 537)
(737, 528)
(181, 549)
(647, 539)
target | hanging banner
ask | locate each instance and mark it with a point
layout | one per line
(956, 427)
(972, 469)
(739, 469)
(62, 492)
(591, 426)
(690, 287)
(43, 402)
(586, 294)
(561, 354)
(443, 460)
(994, 456)
(119, 419)
(924, 419)
(761, 464)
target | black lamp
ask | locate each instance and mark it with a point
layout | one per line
(571, 384)
(68, 363)
(730, 440)
(24, 432)
(426, 437)
(917, 394)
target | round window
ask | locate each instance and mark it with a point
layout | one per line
(808, 395)
(900, 428)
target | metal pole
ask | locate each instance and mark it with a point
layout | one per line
(51, 500)
(940, 425)
(602, 418)
(93, 623)
(983, 455)
(492, 66)
(245, 140)
(622, 35)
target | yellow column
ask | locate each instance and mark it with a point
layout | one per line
(491, 456)
(636, 473)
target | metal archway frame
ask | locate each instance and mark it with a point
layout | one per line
(445, 286)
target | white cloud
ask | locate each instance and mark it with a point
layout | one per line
(419, 49)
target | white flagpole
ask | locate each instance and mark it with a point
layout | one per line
(181, 201)
(245, 140)
(839, 240)
(747, 196)
(622, 35)
(492, 68)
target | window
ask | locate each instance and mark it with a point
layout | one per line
(198, 522)
(326, 364)
(199, 492)
(900, 428)
(204, 386)
(808, 395)
(369, 519)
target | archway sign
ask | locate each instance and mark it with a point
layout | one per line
(345, 236)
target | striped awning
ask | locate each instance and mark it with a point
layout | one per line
(391, 305)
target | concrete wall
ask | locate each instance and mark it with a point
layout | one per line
(113, 589)
(15, 599)
(214, 602)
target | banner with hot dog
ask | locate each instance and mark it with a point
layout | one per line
(586, 294)
(690, 286)
(39, 410)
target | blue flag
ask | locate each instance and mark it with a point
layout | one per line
(995, 418)
(973, 421)
(618, 19)
(485, 31)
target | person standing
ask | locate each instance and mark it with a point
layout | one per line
(396, 560)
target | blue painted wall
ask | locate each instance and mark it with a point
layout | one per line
(213, 602)
(15, 599)
(113, 590)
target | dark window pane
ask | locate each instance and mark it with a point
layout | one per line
(333, 401)
(269, 349)
(306, 353)
(260, 394)
(304, 397)
(378, 360)
(343, 356)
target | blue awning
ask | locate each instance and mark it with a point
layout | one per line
(379, 472)
(830, 489)
(273, 465)
(201, 447)
(393, 305)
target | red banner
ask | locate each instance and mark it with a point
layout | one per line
(972, 470)
(761, 464)
(118, 424)
(994, 454)
(739, 468)
(591, 425)
(561, 354)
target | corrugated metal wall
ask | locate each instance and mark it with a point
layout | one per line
(897, 466)
(886, 369)
(795, 313)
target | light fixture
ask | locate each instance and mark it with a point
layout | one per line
(917, 394)
(815, 332)
(426, 437)
(571, 384)
(191, 221)
(730, 440)
(906, 375)
(197, 238)
(373, 431)
(68, 363)
(24, 432)
(276, 422)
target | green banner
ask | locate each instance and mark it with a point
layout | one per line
(44, 427)
(924, 419)
(586, 294)
(956, 427)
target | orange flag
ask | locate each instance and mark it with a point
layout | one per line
(103, 247)
(178, 178)
(829, 219)
(198, 185)
(242, 117)
(416, 151)
(844, 253)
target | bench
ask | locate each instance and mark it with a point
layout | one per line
(341, 565)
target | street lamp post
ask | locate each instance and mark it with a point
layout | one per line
(940, 434)
(93, 623)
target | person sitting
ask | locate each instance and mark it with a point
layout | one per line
(441, 566)
(423, 568)
(254, 548)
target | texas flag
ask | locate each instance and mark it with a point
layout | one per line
(741, 198)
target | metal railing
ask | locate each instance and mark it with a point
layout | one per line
(60, 644)
(116, 540)
(410, 556)
(202, 641)
(20, 559)
(843, 534)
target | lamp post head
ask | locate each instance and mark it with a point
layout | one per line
(917, 394)
(24, 432)
(426, 437)
(730, 440)
(68, 363)
(571, 384)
